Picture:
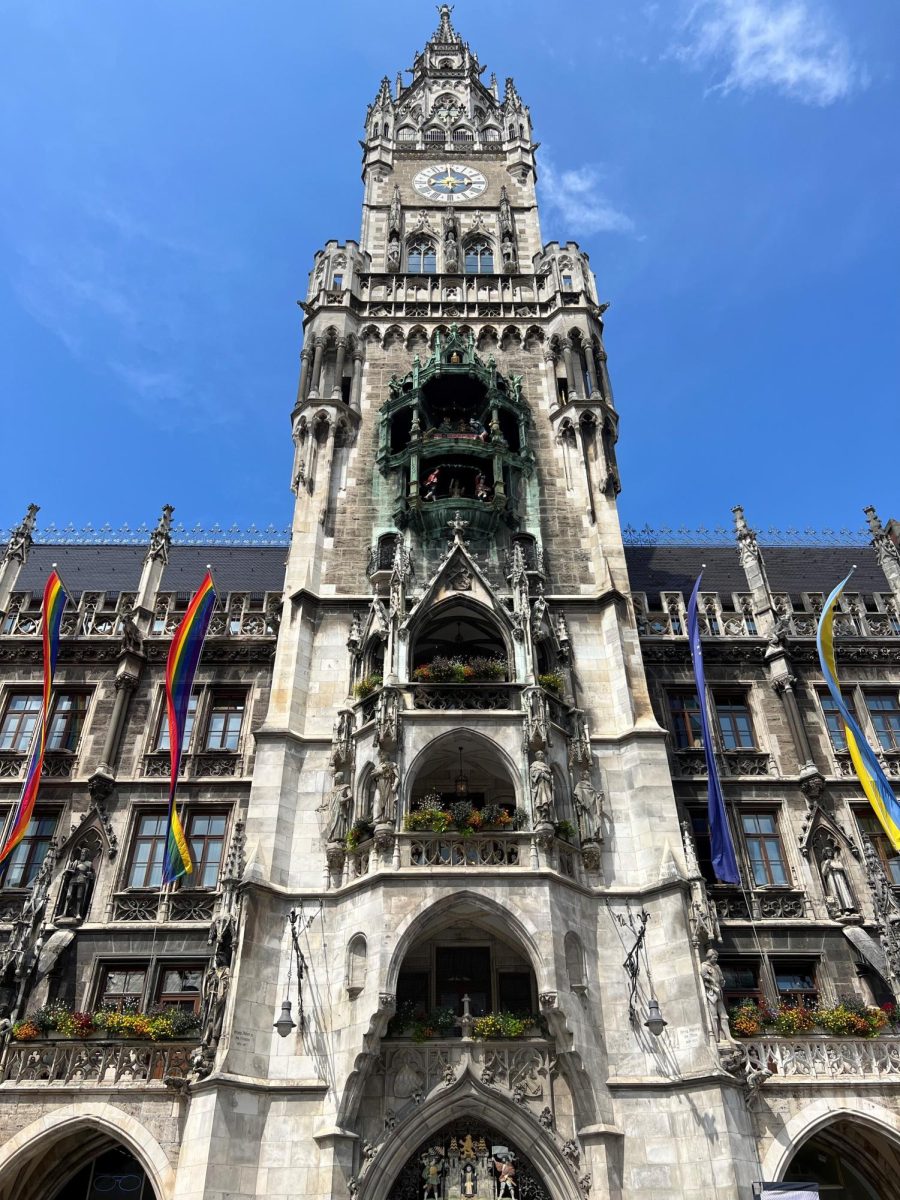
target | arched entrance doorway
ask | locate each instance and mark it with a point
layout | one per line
(114, 1174)
(468, 1160)
(85, 1164)
(849, 1160)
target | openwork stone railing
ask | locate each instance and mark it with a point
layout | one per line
(56, 766)
(825, 1058)
(479, 850)
(760, 905)
(195, 766)
(443, 696)
(691, 764)
(100, 1062)
(187, 904)
(521, 1068)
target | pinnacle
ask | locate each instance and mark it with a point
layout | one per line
(445, 32)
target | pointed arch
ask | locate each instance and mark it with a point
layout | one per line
(814, 1117)
(417, 338)
(393, 336)
(487, 338)
(370, 333)
(511, 338)
(42, 1135)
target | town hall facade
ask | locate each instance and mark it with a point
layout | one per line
(453, 929)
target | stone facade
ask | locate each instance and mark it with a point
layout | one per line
(444, 786)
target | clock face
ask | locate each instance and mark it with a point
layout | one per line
(450, 183)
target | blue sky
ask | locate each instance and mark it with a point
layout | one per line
(170, 169)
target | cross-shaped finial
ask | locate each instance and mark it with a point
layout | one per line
(458, 526)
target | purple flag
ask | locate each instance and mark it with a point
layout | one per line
(723, 857)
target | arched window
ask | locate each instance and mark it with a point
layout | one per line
(406, 133)
(463, 135)
(356, 965)
(575, 963)
(434, 135)
(479, 258)
(490, 134)
(421, 257)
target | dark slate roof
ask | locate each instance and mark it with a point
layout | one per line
(118, 568)
(791, 569)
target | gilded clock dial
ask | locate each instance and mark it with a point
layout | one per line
(450, 182)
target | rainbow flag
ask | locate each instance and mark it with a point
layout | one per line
(184, 654)
(51, 618)
(874, 782)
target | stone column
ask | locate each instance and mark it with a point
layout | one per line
(550, 366)
(125, 684)
(591, 366)
(571, 373)
(605, 385)
(784, 687)
(318, 351)
(305, 357)
(356, 386)
(336, 390)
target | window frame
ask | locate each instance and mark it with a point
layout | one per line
(737, 995)
(102, 969)
(807, 997)
(893, 727)
(823, 698)
(679, 719)
(881, 845)
(214, 697)
(139, 814)
(192, 814)
(162, 721)
(726, 697)
(163, 964)
(485, 251)
(426, 248)
(765, 837)
(30, 865)
(77, 715)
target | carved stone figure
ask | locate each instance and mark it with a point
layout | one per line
(432, 1174)
(588, 808)
(132, 639)
(506, 1178)
(837, 885)
(542, 790)
(78, 879)
(714, 986)
(216, 982)
(387, 783)
(340, 803)
(393, 252)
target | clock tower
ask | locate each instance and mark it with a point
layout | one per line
(466, 891)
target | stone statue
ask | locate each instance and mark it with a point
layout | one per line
(588, 809)
(132, 640)
(393, 253)
(78, 879)
(214, 992)
(837, 886)
(432, 1174)
(542, 789)
(340, 803)
(506, 1178)
(714, 986)
(387, 782)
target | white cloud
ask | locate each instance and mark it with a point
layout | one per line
(788, 45)
(576, 195)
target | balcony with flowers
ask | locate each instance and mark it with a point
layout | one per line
(794, 1041)
(56, 1045)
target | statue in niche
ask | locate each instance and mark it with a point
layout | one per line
(214, 993)
(833, 870)
(432, 1174)
(714, 986)
(468, 1180)
(588, 808)
(340, 803)
(506, 1177)
(387, 783)
(78, 881)
(393, 252)
(542, 789)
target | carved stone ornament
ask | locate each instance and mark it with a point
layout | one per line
(547, 1001)
(462, 580)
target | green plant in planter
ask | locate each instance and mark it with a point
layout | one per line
(502, 1025)
(367, 686)
(437, 1023)
(360, 831)
(552, 681)
(427, 820)
(566, 830)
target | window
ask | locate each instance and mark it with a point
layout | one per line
(884, 709)
(699, 820)
(479, 258)
(178, 986)
(206, 838)
(66, 721)
(490, 134)
(162, 733)
(567, 283)
(870, 827)
(19, 721)
(434, 135)
(147, 850)
(834, 722)
(514, 992)
(406, 134)
(463, 135)
(122, 986)
(25, 861)
(20, 718)
(223, 725)
(685, 712)
(413, 991)
(338, 282)
(795, 980)
(764, 849)
(421, 258)
(741, 981)
(463, 971)
(734, 721)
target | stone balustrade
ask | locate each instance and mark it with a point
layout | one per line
(477, 850)
(520, 1068)
(823, 1058)
(95, 1061)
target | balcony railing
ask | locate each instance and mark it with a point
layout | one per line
(762, 904)
(468, 696)
(57, 765)
(149, 907)
(209, 765)
(478, 850)
(100, 1062)
(691, 764)
(520, 1068)
(825, 1058)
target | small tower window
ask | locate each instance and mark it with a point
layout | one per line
(567, 283)
(338, 282)
(479, 258)
(421, 258)
(490, 134)
(462, 135)
(406, 133)
(434, 135)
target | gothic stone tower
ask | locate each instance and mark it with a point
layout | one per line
(460, 786)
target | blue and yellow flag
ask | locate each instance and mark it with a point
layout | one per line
(874, 782)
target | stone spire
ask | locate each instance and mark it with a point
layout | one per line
(15, 554)
(885, 551)
(155, 561)
(161, 537)
(445, 33)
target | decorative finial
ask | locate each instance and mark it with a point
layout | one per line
(161, 537)
(20, 538)
(457, 527)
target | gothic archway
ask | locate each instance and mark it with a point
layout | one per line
(468, 1160)
(848, 1159)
